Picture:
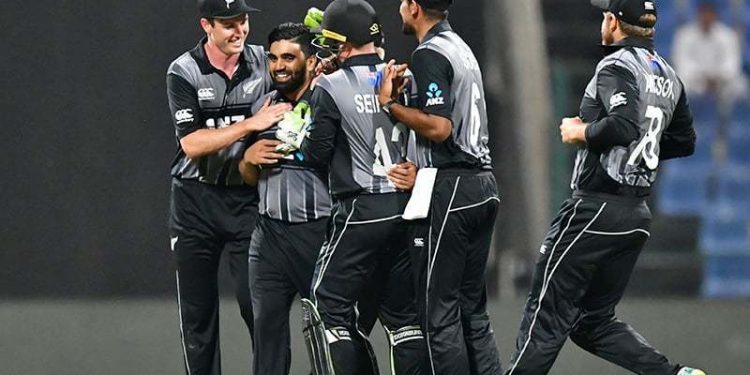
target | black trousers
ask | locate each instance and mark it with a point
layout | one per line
(450, 250)
(282, 262)
(206, 221)
(585, 264)
(364, 263)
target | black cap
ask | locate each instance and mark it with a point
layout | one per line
(353, 21)
(629, 11)
(223, 9)
(439, 5)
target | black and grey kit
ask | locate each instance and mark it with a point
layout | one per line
(293, 214)
(367, 242)
(450, 247)
(638, 116)
(212, 211)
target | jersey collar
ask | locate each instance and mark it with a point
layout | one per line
(631, 41)
(368, 59)
(440, 27)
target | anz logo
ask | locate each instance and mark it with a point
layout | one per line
(434, 95)
(223, 122)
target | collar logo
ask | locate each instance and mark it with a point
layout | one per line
(229, 2)
(434, 95)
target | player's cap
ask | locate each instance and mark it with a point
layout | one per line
(439, 5)
(352, 21)
(629, 11)
(223, 9)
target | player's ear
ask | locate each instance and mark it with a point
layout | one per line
(206, 25)
(311, 63)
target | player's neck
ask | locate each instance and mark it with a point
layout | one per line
(424, 27)
(297, 94)
(220, 60)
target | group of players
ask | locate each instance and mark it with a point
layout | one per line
(367, 189)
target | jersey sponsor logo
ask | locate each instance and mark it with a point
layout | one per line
(419, 242)
(660, 86)
(434, 95)
(617, 100)
(184, 115)
(367, 103)
(206, 94)
(248, 88)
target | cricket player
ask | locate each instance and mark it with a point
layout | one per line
(212, 211)
(294, 204)
(367, 242)
(634, 115)
(452, 244)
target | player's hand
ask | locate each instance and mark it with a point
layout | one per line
(262, 152)
(267, 116)
(403, 175)
(293, 128)
(573, 130)
(392, 82)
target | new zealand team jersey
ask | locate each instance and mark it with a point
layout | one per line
(203, 97)
(292, 190)
(638, 115)
(449, 84)
(350, 133)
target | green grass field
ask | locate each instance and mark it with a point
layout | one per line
(129, 336)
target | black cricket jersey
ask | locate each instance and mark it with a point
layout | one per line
(350, 134)
(203, 97)
(638, 115)
(449, 84)
(292, 190)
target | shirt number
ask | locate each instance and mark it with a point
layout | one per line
(646, 149)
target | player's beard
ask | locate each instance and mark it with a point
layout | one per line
(293, 84)
(408, 29)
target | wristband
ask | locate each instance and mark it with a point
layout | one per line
(387, 106)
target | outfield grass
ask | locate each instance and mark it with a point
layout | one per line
(114, 337)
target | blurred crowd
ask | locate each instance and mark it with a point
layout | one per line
(707, 40)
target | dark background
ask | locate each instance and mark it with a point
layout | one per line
(88, 141)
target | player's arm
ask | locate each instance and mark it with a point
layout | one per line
(197, 141)
(618, 90)
(318, 146)
(434, 75)
(678, 140)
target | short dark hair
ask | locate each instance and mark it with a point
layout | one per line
(293, 32)
(433, 14)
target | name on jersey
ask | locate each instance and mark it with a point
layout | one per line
(434, 95)
(223, 122)
(660, 86)
(367, 103)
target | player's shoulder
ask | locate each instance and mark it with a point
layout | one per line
(256, 52)
(183, 65)
(330, 80)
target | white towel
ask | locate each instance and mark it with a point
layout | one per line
(421, 196)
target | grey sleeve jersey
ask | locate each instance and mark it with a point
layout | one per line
(201, 97)
(629, 103)
(456, 92)
(367, 142)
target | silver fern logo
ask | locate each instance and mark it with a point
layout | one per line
(229, 2)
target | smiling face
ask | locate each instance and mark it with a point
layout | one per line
(289, 66)
(227, 35)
